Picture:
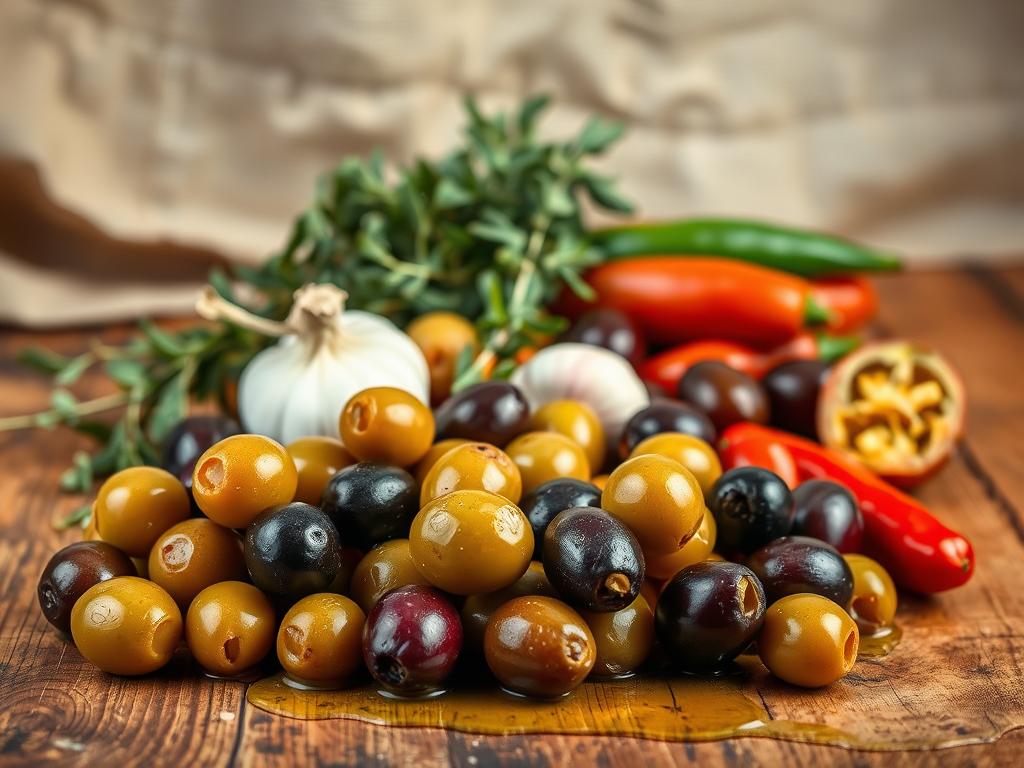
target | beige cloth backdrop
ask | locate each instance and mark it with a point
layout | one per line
(139, 141)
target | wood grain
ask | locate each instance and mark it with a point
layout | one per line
(959, 666)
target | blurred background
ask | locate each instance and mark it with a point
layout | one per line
(140, 143)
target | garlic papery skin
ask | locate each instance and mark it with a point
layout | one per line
(326, 354)
(598, 377)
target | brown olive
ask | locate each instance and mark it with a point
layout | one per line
(193, 555)
(230, 627)
(473, 466)
(692, 452)
(317, 459)
(544, 456)
(477, 609)
(382, 569)
(792, 390)
(388, 425)
(71, 571)
(539, 646)
(489, 412)
(136, 505)
(623, 639)
(726, 395)
(578, 422)
(808, 640)
(320, 642)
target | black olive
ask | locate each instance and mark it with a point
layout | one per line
(292, 550)
(826, 510)
(371, 503)
(490, 412)
(793, 389)
(665, 415)
(796, 564)
(593, 560)
(752, 506)
(610, 329)
(189, 440)
(548, 499)
(708, 613)
(726, 395)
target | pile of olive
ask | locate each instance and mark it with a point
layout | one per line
(479, 534)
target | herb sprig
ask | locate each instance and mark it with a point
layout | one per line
(493, 231)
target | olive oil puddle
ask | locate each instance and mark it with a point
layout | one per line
(679, 708)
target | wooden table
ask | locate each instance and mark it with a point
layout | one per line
(958, 669)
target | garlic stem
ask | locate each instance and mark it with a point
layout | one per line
(211, 306)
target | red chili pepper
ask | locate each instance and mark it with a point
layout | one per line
(850, 301)
(674, 299)
(666, 368)
(744, 445)
(919, 552)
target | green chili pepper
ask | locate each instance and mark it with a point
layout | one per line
(809, 254)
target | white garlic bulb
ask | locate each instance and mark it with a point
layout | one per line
(598, 377)
(326, 354)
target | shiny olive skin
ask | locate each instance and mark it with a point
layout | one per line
(193, 555)
(826, 510)
(320, 640)
(190, 439)
(692, 452)
(477, 609)
(609, 329)
(874, 600)
(752, 506)
(539, 646)
(793, 390)
(577, 421)
(808, 640)
(548, 499)
(470, 542)
(292, 551)
(593, 560)
(370, 503)
(230, 627)
(411, 640)
(430, 458)
(665, 415)
(708, 613)
(795, 564)
(623, 639)
(696, 550)
(544, 456)
(134, 506)
(489, 412)
(239, 477)
(442, 337)
(126, 626)
(658, 498)
(317, 459)
(71, 571)
(382, 569)
(387, 425)
(726, 395)
(473, 466)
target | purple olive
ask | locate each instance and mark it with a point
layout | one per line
(665, 416)
(610, 329)
(490, 412)
(826, 510)
(796, 564)
(411, 640)
(726, 395)
(793, 389)
(708, 613)
(73, 570)
(189, 440)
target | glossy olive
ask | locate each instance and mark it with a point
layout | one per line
(411, 640)
(610, 329)
(190, 439)
(593, 560)
(708, 613)
(665, 415)
(437, 450)
(192, 555)
(388, 425)
(826, 510)
(442, 337)
(473, 466)
(490, 412)
(544, 456)
(539, 646)
(71, 571)
(793, 390)
(726, 395)
(808, 640)
(477, 609)
(382, 569)
(470, 542)
(548, 499)
(230, 627)
(370, 503)
(658, 498)
(317, 459)
(241, 476)
(752, 506)
(696, 550)
(795, 564)
(292, 551)
(692, 452)
(623, 639)
(874, 599)
(577, 421)
(126, 626)
(134, 506)
(321, 639)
